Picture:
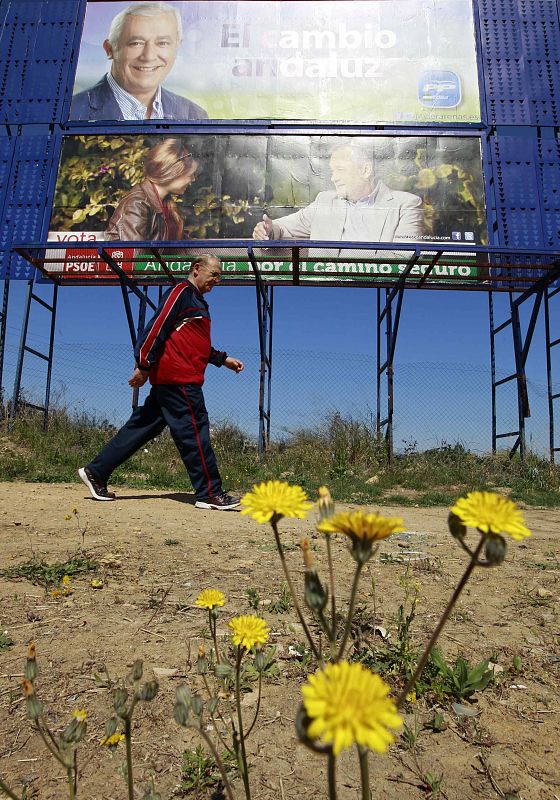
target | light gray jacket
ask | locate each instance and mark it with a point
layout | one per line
(394, 216)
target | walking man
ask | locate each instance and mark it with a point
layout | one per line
(173, 352)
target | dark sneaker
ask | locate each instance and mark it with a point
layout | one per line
(221, 502)
(98, 489)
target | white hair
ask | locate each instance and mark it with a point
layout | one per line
(142, 10)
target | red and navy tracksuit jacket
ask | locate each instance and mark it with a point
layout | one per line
(175, 347)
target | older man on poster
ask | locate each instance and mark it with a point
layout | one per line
(361, 209)
(142, 44)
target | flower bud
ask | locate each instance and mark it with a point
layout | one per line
(111, 727)
(33, 707)
(30, 670)
(260, 660)
(202, 663)
(302, 723)
(197, 705)
(316, 596)
(74, 731)
(223, 669)
(456, 527)
(325, 504)
(148, 691)
(136, 672)
(361, 550)
(119, 700)
(307, 556)
(181, 714)
(495, 548)
(183, 695)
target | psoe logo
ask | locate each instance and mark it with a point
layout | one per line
(438, 88)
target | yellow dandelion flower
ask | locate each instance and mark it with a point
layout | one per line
(74, 510)
(208, 598)
(66, 580)
(248, 631)
(275, 499)
(362, 526)
(80, 714)
(56, 593)
(112, 741)
(95, 583)
(491, 513)
(67, 517)
(347, 705)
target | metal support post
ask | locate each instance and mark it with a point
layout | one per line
(521, 345)
(135, 329)
(17, 401)
(265, 303)
(552, 395)
(390, 336)
(3, 323)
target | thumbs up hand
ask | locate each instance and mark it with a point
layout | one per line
(263, 230)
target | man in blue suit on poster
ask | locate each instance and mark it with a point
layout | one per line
(142, 45)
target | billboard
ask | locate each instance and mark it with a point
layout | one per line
(424, 190)
(366, 61)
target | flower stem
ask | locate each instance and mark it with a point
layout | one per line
(257, 708)
(353, 593)
(218, 761)
(221, 737)
(333, 600)
(244, 766)
(128, 737)
(292, 590)
(49, 746)
(70, 774)
(454, 597)
(7, 792)
(363, 755)
(332, 776)
(214, 637)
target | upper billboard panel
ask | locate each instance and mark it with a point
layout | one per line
(366, 61)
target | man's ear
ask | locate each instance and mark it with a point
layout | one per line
(368, 170)
(108, 49)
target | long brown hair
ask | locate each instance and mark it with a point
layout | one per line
(166, 161)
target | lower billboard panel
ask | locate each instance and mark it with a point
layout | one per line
(416, 190)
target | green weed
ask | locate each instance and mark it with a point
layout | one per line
(284, 602)
(42, 573)
(460, 681)
(199, 770)
(6, 641)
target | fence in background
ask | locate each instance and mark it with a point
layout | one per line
(434, 402)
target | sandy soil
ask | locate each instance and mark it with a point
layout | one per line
(156, 552)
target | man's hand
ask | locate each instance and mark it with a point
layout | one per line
(234, 363)
(138, 377)
(263, 230)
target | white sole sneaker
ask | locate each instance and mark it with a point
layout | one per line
(92, 490)
(217, 506)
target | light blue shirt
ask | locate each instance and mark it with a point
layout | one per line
(356, 215)
(130, 107)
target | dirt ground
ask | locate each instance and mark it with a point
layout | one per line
(156, 552)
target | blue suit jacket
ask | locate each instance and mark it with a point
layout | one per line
(99, 103)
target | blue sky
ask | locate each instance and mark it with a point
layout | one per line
(323, 360)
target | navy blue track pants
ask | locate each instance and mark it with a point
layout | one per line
(183, 409)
